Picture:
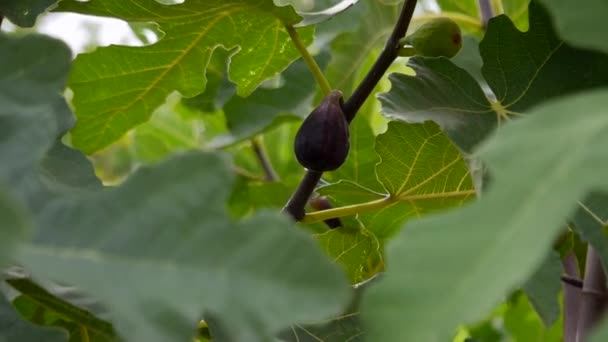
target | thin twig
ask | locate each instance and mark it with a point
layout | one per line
(572, 281)
(297, 202)
(486, 12)
(246, 174)
(260, 153)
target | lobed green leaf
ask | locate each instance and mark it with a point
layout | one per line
(487, 249)
(117, 87)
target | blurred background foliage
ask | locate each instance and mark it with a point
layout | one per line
(201, 123)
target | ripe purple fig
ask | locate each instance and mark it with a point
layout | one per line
(322, 142)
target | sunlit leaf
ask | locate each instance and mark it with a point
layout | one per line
(421, 170)
(218, 89)
(522, 69)
(352, 248)
(166, 133)
(517, 11)
(118, 87)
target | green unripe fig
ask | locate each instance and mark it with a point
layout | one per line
(322, 142)
(437, 37)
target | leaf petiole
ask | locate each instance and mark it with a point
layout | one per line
(309, 60)
(270, 174)
(359, 208)
(348, 210)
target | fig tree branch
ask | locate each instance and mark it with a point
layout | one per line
(384, 61)
(296, 204)
(593, 295)
(258, 148)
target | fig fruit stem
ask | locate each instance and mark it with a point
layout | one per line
(270, 174)
(384, 61)
(594, 295)
(309, 60)
(296, 204)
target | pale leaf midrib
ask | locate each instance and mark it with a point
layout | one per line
(535, 76)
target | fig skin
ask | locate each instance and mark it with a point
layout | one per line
(322, 142)
(437, 37)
